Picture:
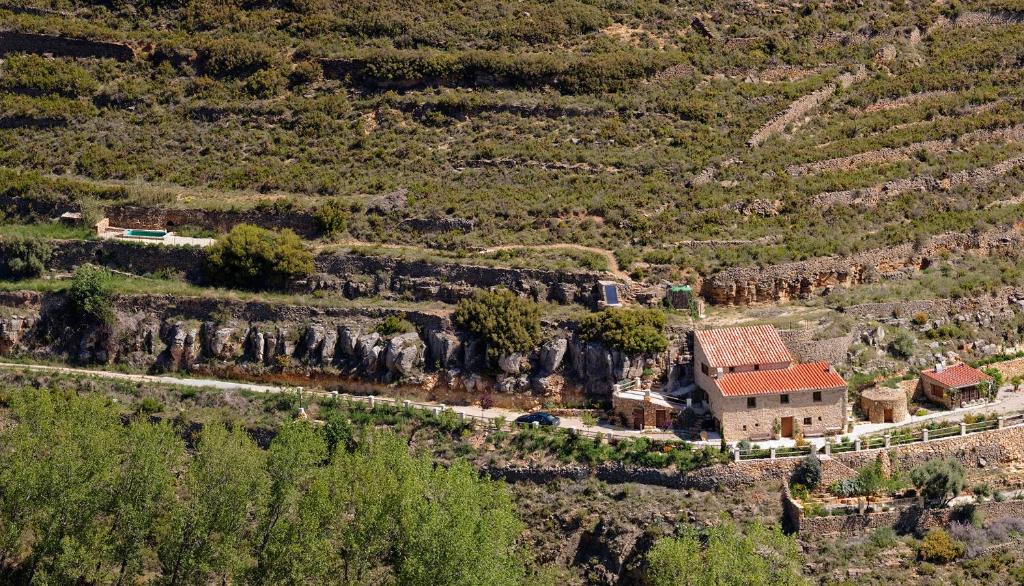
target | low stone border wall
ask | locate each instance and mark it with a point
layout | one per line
(20, 42)
(904, 520)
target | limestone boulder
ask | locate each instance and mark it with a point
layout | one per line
(444, 348)
(552, 353)
(513, 363)
(404, 354)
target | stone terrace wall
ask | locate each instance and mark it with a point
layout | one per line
(130, 216)
(744, 285)
(912, 519)
(19, 42)
(807, 349)
(353, 275)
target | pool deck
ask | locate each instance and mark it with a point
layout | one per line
(169, 240)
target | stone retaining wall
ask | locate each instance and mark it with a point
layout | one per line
(905, 520)
(351, 275)
(21, 42)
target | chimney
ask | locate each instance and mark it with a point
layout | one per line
(718, 372)
(939, 367)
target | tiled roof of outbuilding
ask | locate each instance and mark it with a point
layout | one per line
(814, 376)
(956, 376)
(741, 346)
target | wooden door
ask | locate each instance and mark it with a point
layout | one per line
(638, 418)
(661, 418)
(887, 416)
(787, 427)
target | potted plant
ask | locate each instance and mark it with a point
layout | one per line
(776, 428)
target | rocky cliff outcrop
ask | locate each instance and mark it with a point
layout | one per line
(333, 346)
(744, 285)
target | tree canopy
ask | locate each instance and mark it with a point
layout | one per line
(85, 498)
(757, 556)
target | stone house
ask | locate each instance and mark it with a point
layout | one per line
(645, 409)
(955, 386)
(756, 390)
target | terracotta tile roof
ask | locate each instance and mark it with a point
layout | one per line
(742, 346)
(813, 376)
(956, 376)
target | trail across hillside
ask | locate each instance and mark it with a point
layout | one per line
(613, 264)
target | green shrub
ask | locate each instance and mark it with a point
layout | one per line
(808, 471)
(229, 57)
(150, 405)
(392, 325)
(91, 294)
(265, 83)
(251, 257)
(939, 480)
(332, 217)
(633, 331)
(939, 547)
(902, 346)
(23, 257)
(505, 321)
(47, 76)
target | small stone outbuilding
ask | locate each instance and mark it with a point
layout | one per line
(884, 404)
(955, 386)
(642, 409)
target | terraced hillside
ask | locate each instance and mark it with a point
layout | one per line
(684, 137)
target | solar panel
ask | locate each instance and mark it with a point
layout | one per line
(611, 295)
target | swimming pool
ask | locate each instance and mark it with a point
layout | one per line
(145, 233)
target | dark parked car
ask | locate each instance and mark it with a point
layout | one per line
(539, 417)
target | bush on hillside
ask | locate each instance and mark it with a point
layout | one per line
(939, 547)
(392, 325)
(332, 217)
(505, 321)
(808, 471)
(91, 294)
(46, 76)
(251, 257)
(23, 257)
(633, 331)
(939, 480)
(229, 57)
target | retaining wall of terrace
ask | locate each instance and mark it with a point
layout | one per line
(21, 42)
(352, 275)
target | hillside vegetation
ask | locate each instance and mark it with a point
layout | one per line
(620, 125)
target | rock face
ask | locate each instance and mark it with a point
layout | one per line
(263, 340)
(745, 285)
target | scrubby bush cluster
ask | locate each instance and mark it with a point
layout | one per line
(250, 257)
(22, 258)
(503, 320)
(633, 331)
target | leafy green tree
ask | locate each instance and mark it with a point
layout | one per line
(251, 257)
(143, 494)
(939, 480)
(224, 487)
(633, 331)
(292, 534)
(758, 557)
(434, 525)
(505, 321)
(91, 294)
(808, 471)
(24, 257)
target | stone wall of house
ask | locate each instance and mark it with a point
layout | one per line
(740, 421)
(22, 42)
